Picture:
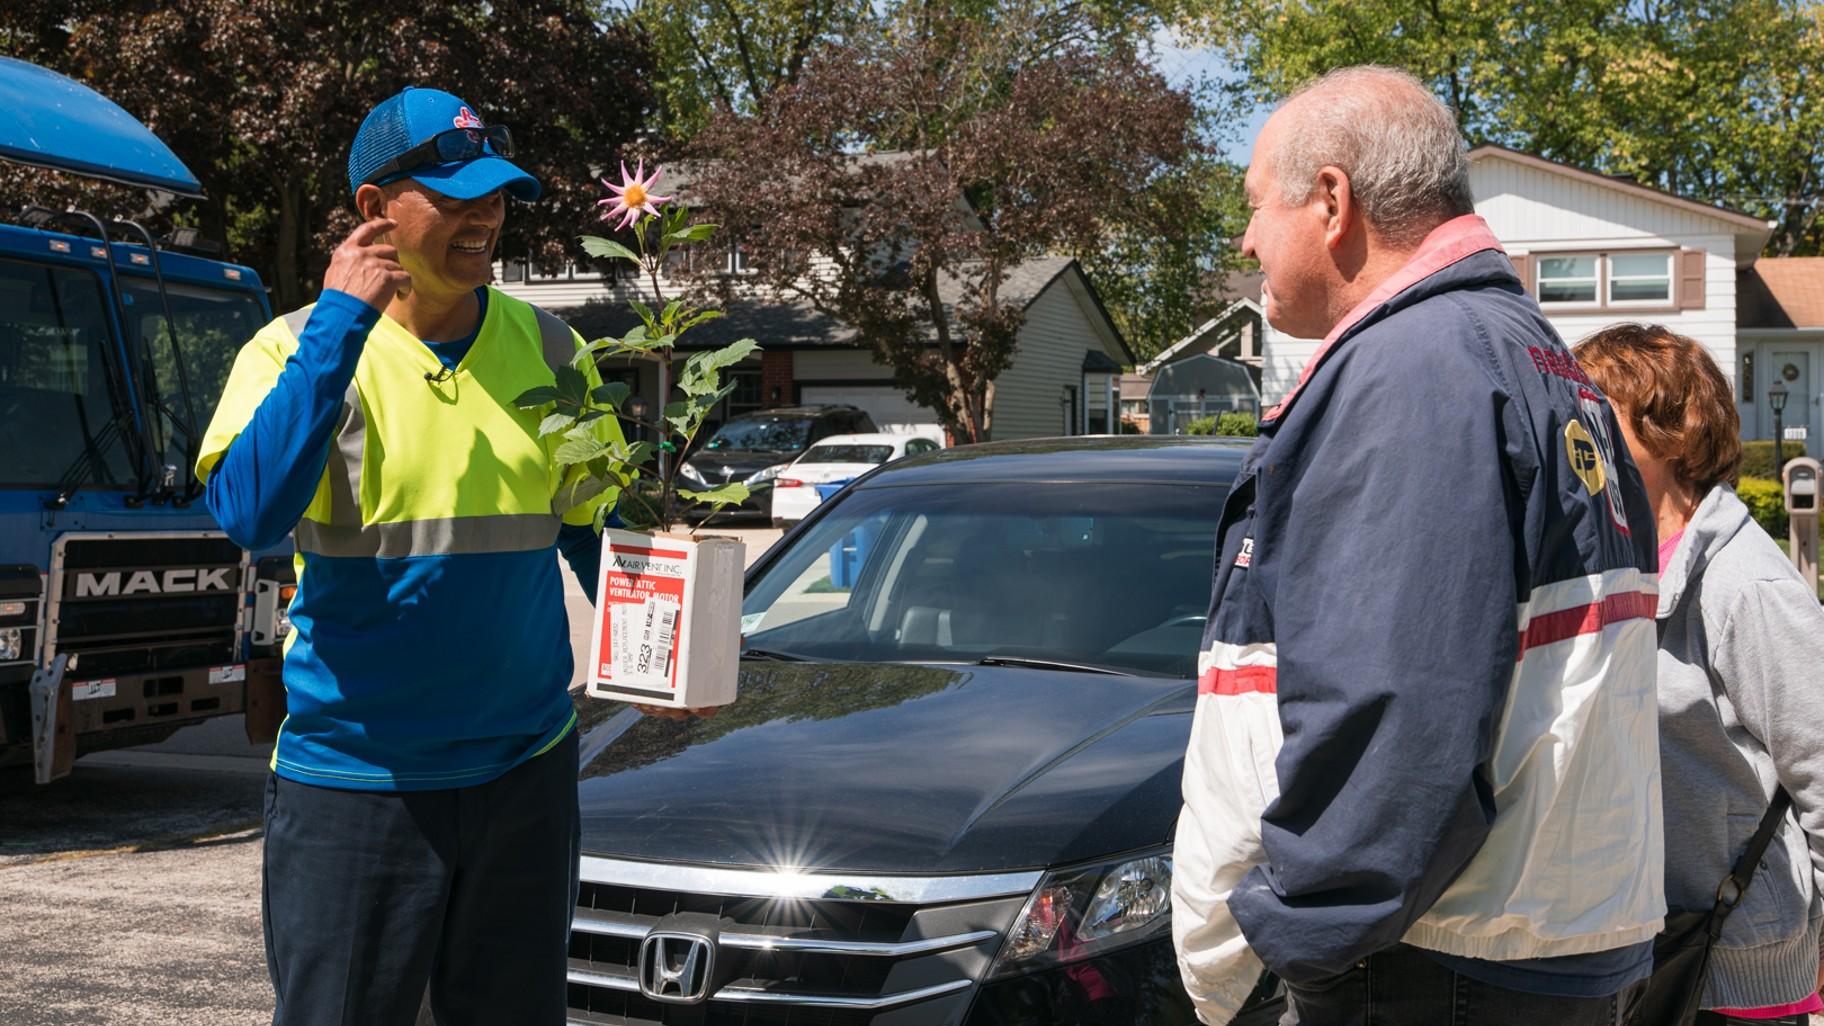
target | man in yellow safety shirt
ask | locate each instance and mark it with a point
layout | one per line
(421, 816)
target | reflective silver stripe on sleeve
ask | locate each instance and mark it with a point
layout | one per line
(556, 338)
(343, 467)
(450, 536)
(296, 320)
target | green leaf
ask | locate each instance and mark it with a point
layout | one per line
(728, 355)
(533, 398)
(572, 387)
(554, 423)
(639, 454)
(694, 233)
(727, 494)
(612, 394)
(596, 246)
(578, 450)
(699, 318)
(645, 313)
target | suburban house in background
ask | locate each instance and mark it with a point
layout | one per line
(1063, 380)
(1213, 370)
(1596, 250)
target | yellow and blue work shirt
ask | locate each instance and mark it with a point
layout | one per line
(430, 646)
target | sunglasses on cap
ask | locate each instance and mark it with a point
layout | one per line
(447, 147)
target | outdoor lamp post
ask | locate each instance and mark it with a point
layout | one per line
(637, 408)
(1776, 400)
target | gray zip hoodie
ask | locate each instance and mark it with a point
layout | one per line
(1741, 710)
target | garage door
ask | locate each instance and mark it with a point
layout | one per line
(886, 404)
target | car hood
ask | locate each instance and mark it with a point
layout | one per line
(894, 769)
(739, 464)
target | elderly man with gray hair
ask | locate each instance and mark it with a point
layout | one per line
(1423, 778)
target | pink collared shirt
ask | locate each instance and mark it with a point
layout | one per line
(1448, 243)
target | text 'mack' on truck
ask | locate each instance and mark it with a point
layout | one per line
(125, 612)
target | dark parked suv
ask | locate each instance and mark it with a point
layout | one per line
(947, 792)
(755, 447)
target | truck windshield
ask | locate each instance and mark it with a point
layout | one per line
(56, 407)
(212, 324)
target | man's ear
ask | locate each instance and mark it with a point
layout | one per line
(370, 202)
(1338, 199)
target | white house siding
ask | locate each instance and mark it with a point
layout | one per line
(1028, 400)
(1534, 211)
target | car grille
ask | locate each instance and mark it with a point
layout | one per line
(118, 601)
(792, 950)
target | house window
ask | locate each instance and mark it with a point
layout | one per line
(735, 260)
(1640, 278)
(1605, 279)
(1567, 279)
(747, 396)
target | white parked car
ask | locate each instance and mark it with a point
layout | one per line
(836, 458)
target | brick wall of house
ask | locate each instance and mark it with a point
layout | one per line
(776, 373)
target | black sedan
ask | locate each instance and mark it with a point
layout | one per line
(948, 789)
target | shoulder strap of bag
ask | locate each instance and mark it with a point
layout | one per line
(1734, 887)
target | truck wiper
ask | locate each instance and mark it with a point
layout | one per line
(1050, 664)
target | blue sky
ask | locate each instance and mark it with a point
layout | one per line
(1185, 64)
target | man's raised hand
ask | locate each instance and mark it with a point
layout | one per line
(365, 268)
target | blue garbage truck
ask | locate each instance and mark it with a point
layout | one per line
(125, 612)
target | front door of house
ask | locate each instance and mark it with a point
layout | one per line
(1794, 368)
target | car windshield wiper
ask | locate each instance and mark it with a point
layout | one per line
(767, 653)
(1049, 664)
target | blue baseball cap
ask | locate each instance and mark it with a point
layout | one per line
(413, 116)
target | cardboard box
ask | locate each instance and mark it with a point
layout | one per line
(668, 620)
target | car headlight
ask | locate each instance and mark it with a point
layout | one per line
(1082, 913)
(690, 473)
(12, 643)
(766, 475)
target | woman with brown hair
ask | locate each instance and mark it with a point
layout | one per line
(1741, 702)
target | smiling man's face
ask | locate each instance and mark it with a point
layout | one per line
(446, 245)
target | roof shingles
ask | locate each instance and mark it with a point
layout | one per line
(1781, 292)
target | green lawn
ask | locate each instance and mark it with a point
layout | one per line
(1781, 542)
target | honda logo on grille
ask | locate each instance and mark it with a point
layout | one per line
(676, 967)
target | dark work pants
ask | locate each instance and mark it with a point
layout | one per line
(1402, 986)
(372, 898)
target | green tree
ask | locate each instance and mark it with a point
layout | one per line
(1714, 101)
(897, 184)
(262, 101)
(715, 55)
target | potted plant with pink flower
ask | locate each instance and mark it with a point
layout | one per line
(644, 473)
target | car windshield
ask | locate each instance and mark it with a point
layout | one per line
(1111, 575)
(848, 454)
(762, 434)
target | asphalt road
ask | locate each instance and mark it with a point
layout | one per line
(130, 892)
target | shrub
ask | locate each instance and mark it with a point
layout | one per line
(1237, 425)
(1201, 426)
(1757, 458)
(1766, 500)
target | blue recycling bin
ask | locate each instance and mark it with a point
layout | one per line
(847, 555)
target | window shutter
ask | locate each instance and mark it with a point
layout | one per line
(1691, 279)
(1523, 266)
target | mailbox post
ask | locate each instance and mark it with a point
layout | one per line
(1803, 478)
